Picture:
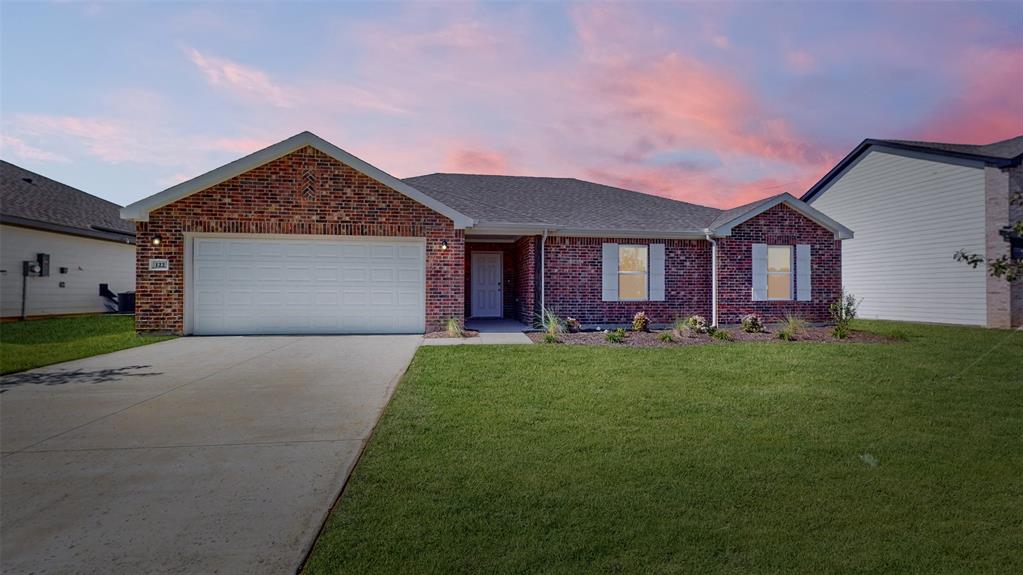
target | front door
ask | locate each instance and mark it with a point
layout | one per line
(487, 291)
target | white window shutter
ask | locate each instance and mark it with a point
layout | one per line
(656, 272)
(803, 269)
(610, 273)
(759, 272)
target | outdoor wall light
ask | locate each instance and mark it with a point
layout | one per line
(443, 245)
(156, 240)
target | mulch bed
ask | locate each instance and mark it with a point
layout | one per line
(650, 339)
(444, 334)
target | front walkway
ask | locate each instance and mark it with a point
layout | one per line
(195, 455)
(492, 331)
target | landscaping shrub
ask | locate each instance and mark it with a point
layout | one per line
(681, 328)
(552, 325)
(752, 323)
(722, 335)
(843, 311)
(454, 327)
(640, 322)
(792, 328)
(616, 336)
(666, 337)
(548, 338)
(573, 325)
(697, 323)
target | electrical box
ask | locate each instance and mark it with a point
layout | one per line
(44, 264)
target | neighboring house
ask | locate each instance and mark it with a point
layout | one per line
(302, 237)
(87, 242)
(915, 204)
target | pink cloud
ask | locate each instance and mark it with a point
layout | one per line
(241, 146)
(987, 106)
(19, 148)
(800, 61)
(476, 161)
(241, 81)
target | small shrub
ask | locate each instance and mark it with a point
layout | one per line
(843, 311)
(640, 322)
(616, 336)
(722, 335)
(573, 325)
(752, 323)
(548, 338)
(792, 328)
(666, 337)
(697, 324)
(552, 324)
(453, 327)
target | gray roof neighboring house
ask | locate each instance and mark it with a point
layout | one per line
(1002, 154)
(30, 200)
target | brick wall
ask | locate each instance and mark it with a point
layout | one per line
(510, 273)
(780, 225)
(305, 192)
(573, 281)
(525, 290)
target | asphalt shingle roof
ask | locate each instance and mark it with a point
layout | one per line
(564, 203)
(1004, 150)
(27, 197)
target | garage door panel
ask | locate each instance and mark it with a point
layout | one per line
(244, 285)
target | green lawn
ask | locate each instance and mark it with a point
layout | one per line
(28, 344)
(739, 458)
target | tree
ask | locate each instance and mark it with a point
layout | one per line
(1011, 268)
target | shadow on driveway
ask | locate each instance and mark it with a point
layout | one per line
(74, 376)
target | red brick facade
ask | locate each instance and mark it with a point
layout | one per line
(573, 280)
(525, 292)
(305, 192)
(573, 274)
(780, 225)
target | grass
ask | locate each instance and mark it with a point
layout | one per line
(804, 457)
(28, 344)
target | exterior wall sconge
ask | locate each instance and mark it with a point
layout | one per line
(443, 245)
(156, 240)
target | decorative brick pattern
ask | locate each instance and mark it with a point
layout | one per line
(573, 280)
(510, 273)
(305, 192)
(780, 225)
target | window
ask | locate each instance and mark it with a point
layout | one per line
(632, 272)
(779, 272)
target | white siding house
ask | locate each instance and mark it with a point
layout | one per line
(912, 210)
(86, 241)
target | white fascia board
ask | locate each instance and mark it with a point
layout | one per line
(841, 232)
(139, 211)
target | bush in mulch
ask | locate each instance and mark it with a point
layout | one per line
(443, 334)
(667, 338)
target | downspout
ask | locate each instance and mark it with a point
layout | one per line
(543, 240)
(713, 278)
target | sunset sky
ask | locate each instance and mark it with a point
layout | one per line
(717, 104)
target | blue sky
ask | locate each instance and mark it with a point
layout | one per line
(717, 103)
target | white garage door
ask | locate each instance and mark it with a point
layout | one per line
(299, 286)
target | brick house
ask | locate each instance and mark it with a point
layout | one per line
(303, 237)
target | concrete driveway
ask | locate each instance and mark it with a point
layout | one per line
(195, 455)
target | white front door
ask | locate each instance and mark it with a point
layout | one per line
(303, 285)
(487, 291)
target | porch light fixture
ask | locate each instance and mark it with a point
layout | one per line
(443, 245)
(156, 240)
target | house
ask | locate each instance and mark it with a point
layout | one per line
(913, 206)
(68, 242)
(303, 237)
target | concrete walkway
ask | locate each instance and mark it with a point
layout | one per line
(195, 455)
(492, 331)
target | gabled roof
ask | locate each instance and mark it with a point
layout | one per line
(1001, 154)
(30, 200)
(568, 206)
(728, 219)
(565, 204)
(140, 210)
